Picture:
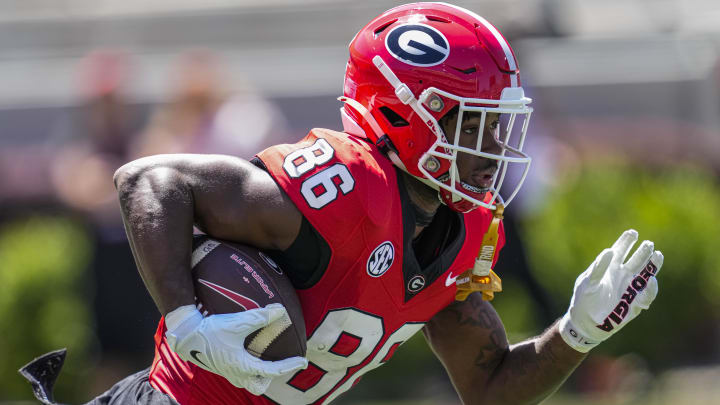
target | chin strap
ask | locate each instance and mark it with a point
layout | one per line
(481, 277)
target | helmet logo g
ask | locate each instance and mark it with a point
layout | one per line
(417, 45)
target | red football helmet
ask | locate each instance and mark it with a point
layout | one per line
(415, 63)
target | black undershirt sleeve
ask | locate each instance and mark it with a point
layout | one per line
(307, 258)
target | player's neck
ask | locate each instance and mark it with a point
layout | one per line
(424, 200)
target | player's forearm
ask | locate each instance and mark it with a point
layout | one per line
(157, 212)
(532, 370)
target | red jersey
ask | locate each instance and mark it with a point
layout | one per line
(373, 294)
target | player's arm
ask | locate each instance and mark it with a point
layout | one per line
(470, 340)
(161, 198)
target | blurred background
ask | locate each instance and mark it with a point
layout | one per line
(626, 133)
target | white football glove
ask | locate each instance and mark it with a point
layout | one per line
(215, 343)
(610, 293)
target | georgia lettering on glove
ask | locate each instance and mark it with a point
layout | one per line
(623, 307)
(611, 292)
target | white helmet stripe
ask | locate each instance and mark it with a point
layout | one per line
(503, 43)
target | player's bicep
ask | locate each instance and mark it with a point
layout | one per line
(237, 201)
(231, 198)
(469, 339)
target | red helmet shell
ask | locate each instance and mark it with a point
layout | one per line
(470, 59)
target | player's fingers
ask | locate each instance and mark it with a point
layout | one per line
(623, 245)
(600, 266)
(656, 260)
(647, 296)
(275, 312)
(269, 314)
(284, 366)
(254, 319)
(640, 258)
(276, 368)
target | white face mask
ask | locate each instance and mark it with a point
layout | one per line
(512, 106)
(514, 115)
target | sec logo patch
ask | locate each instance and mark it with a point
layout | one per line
(381, 259)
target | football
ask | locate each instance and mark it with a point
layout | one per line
(230, 277)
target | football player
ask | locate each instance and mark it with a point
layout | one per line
(387, 228)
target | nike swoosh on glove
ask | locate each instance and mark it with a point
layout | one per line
(611, 292)
(216, 344)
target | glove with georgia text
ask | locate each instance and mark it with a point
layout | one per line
(611, 292)
(216, 344)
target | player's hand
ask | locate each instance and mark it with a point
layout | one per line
(611, 292)
(216, 343)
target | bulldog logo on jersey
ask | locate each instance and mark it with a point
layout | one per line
(381, 259)
(417, 45)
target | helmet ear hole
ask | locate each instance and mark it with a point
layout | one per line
(393, 118)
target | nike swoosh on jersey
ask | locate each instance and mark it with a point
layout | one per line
(450, 279)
